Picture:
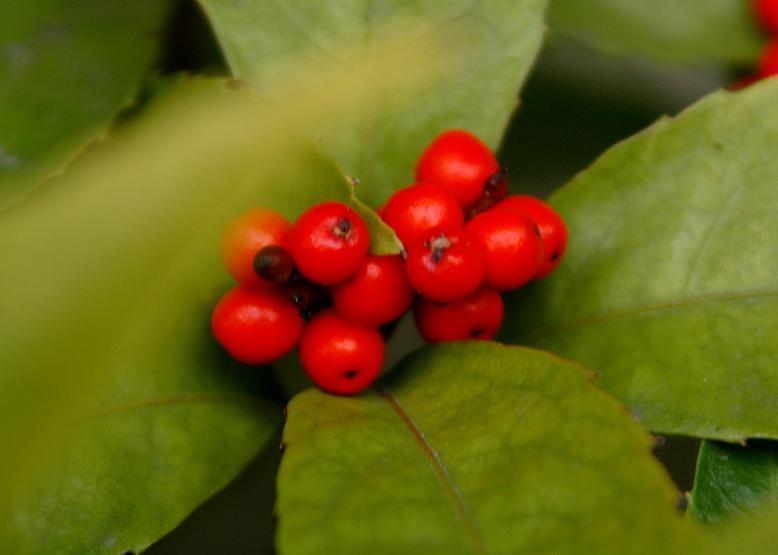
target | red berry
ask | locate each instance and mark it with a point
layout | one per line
(477, 316)
(328, 242)
(767, 12)
(768, 65)
(445, 266)
(513, 250)
(552, 227)
(415, 210)
(377, 294)
(256, 326)
(460, 162)
(339, 356)
(245, 236)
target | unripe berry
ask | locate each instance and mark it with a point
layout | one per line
(767, 13)
(243, 239)
(445, 266)
(513, 250)
(460, 162)
(478, 316)
(339, 356)
(414, 211)
(328, 242)
(553, 231)
(256, 326)
(377, 294)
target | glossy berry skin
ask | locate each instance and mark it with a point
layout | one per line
(328, 243)
(460, 162)
(767, 13)
(445, 266)
(414, 211)
(478, 316)
(553, 230)
(245, 236)
(256, 326)
(339, 356)
(768, 65)
(513, 250)
(377, 294)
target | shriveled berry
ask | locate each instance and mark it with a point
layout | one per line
(340, 356)
(767, 13)
(513, 250)
(256, 326)
(496, 189)
(273, 264)
(309, 298)
(415, 210)
(328, 242)
(460, 162)
(445, 266)
(377, 294)
(552, 227)
(478, 316)
(243, 239)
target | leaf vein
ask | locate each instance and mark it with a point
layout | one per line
(440, 470)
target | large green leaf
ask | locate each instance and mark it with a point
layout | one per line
(734, 481)
(499, 39)
(669, 286)
(106, 285)
(473, 448)
(691, 31)
(66, 69)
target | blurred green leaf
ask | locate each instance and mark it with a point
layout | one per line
(66, 69)
(734, 481)
(693, 31)
(107, 281)
(498, 38)
(473, 448)
(669, 286)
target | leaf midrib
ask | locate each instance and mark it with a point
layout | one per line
(439, 469)
(660, 306)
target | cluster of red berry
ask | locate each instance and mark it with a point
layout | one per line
(315, 284)
(766, 12)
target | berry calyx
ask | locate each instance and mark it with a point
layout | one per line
(339, 356)
(552, 227)
(256, 326)
(245, 236)
(377, 294)
(478, 316)
(459, 162)
(768, 64)
(328, 242)
(415, 210)
(512, 247)
(274, 264)
(767, 13)
(445, 266)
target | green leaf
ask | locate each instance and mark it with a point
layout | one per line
(498, 38)
(107, 281)
(472, 448)
(734, 481)
(663, 29)
(670, 281)
(66, 70)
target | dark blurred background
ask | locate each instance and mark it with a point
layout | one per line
(577, 104)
